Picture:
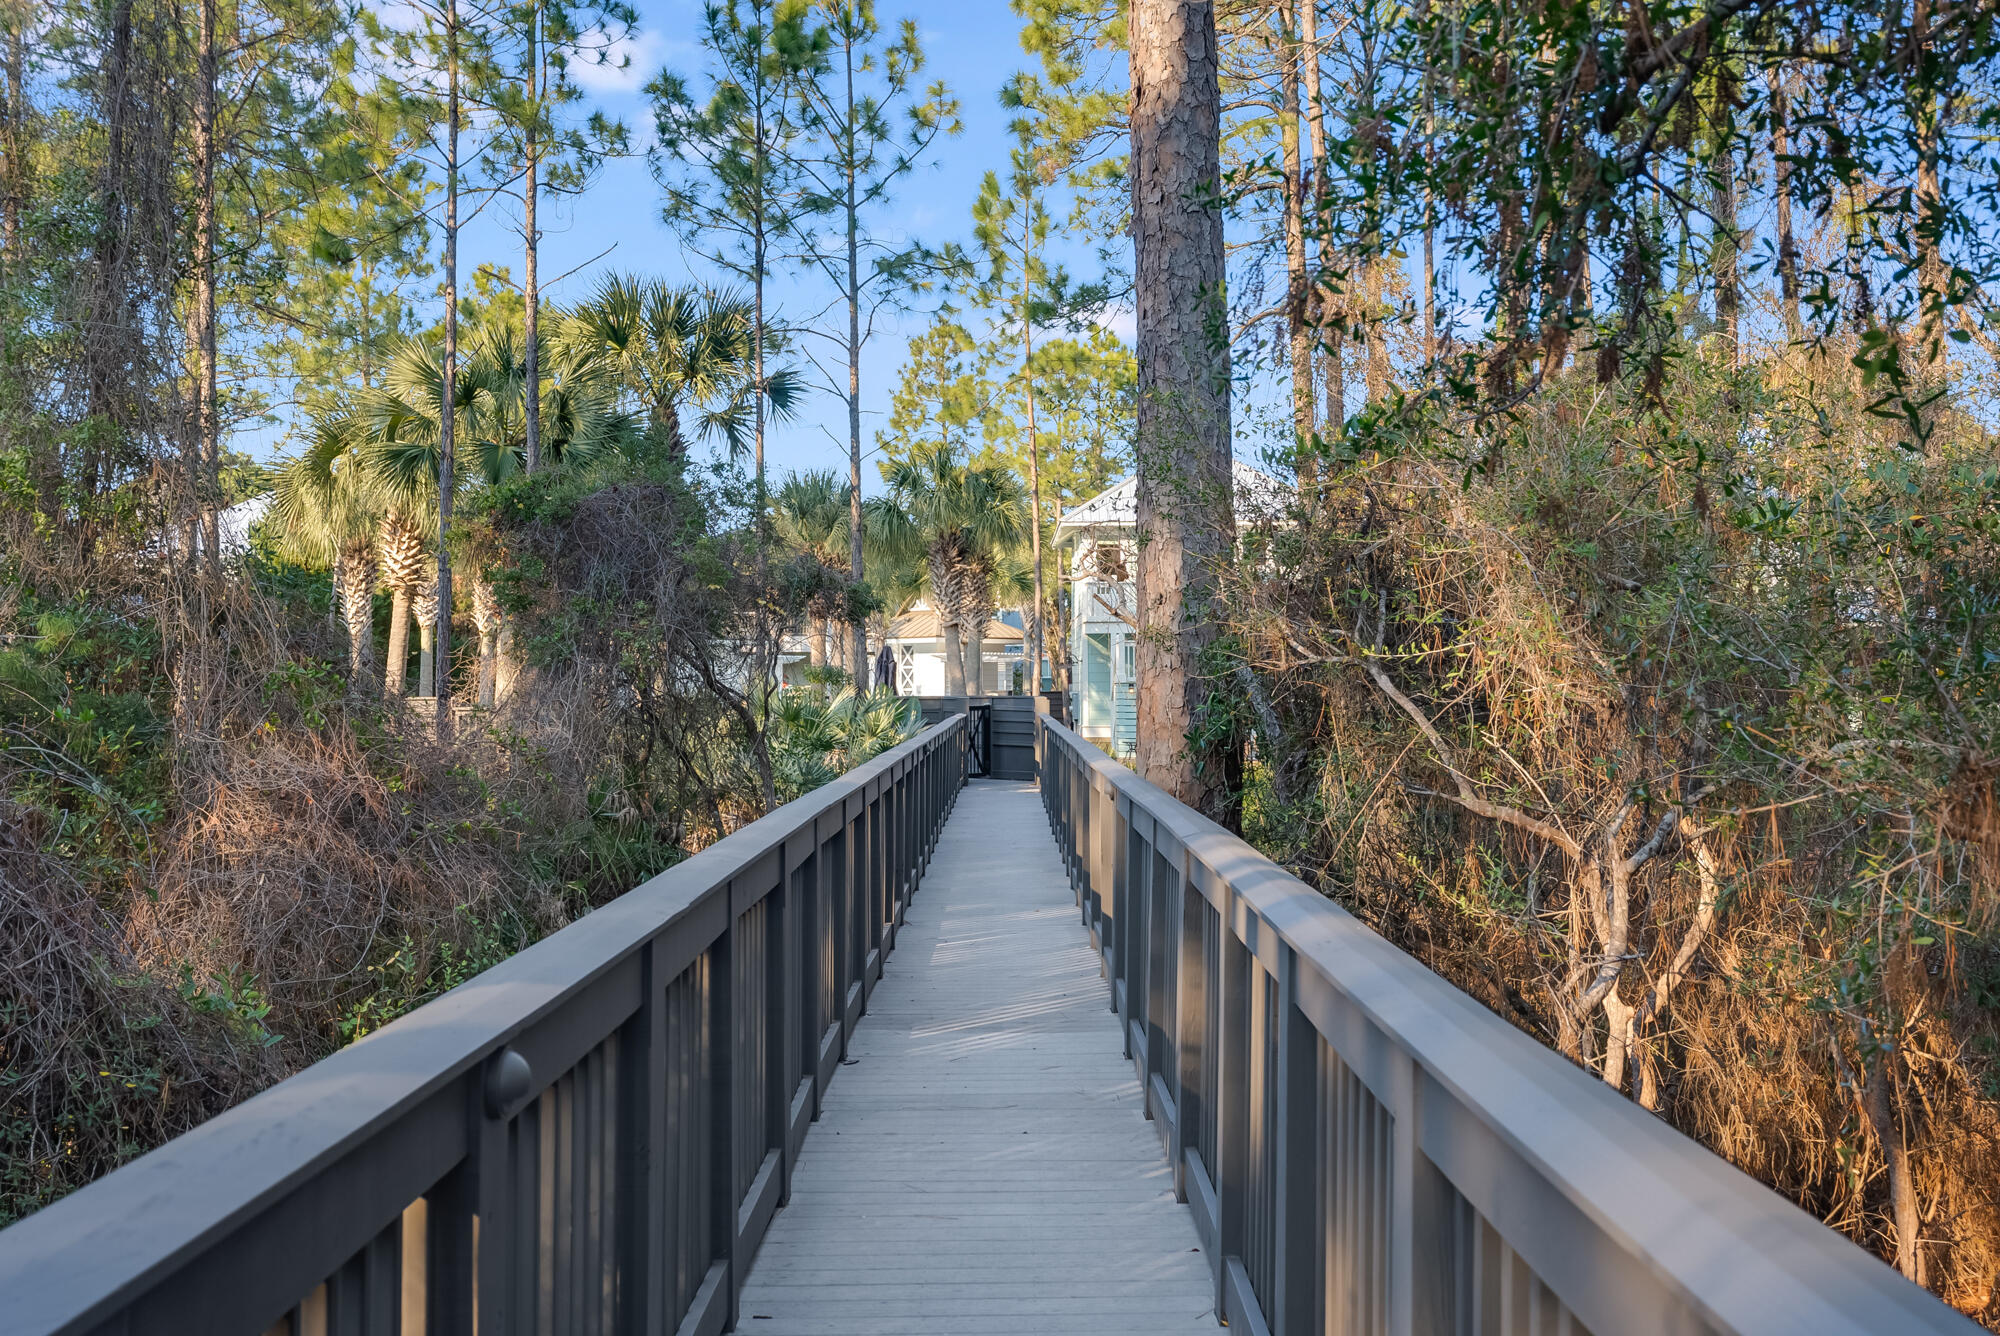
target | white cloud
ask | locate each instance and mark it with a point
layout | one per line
(1120, 320)
(629, 63)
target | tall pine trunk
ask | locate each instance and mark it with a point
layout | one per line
(207, 473)
(760, 745)
(1325, 313)
(1182, 430)
(1781, 195)
(1725, 243)
(13, 138)
(1290, 57)
(1034, 645)
(448, 408)
(531, 236)
(858, 632)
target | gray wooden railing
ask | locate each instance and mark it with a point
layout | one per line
(1366, 1150)
(589, 1138)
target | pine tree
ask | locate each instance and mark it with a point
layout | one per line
(869, 124)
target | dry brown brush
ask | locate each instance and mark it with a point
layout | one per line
(1672, 741)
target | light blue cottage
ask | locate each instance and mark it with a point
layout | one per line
(1096, 543)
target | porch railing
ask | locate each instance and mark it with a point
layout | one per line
(1368, 1150)
(590, 1137)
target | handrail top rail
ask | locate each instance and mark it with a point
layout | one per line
(84, 1253)
(1686, 1213)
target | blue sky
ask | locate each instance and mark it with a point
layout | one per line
(973, 45)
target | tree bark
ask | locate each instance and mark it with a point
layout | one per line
(399, 557)
(1781, 191)
(424, 604)
(954, 661)
(531, 236)
(760, 744)
(1888, 1129)
(357, 610)
(397, 665)
(1034, 646)
(1291, 56)
(1182, 430)
(1326, 312)
(13, 138)
(208, 443)
(448, 414)
(1931, 275)
(1724, 246)
(858, 632)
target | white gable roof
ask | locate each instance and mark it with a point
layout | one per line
(1118, 504)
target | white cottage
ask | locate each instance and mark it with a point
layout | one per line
(917, 641)
(1097, 544)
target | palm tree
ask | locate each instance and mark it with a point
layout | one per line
(675, 348)
(964, 519)
(424, 607)
(1010, 584)
(400, 552)
(809, 517)
(327, 507)
(400, 426)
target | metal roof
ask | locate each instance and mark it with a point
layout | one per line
(1118, 504)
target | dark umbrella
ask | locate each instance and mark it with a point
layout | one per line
(885, 670)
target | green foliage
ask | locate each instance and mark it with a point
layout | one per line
(82, 730)
(942, 397)
(817, 737)
(415, 972)
(676, 350)
(1084, 418)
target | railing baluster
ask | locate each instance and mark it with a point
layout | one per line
(644, 1270)
(1297, 1281)
(1232, 1106)
(723, 1061)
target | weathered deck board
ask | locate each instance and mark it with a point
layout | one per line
(985, 1167)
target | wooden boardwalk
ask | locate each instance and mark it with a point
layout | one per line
(985, 1166)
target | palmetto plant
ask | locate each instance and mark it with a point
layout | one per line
(816, 739)
(809, 517)
(675, 348)
(964, 519)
